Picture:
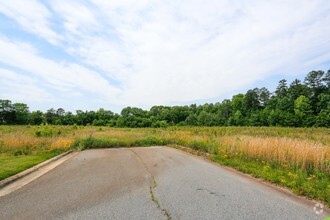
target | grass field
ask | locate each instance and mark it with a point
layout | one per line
(297, 158)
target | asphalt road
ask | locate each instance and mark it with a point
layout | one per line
(148, 183)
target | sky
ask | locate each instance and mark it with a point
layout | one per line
(111, 54)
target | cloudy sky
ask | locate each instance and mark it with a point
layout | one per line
(117, 53)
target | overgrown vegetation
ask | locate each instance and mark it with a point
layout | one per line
(298, 158)
(300, 104)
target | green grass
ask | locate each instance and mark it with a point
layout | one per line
(11, 165)
(315, 185)
(104, 142)
(297, 158)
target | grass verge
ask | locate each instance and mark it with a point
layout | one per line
(105, 142)
(314, 185)
(11, 165)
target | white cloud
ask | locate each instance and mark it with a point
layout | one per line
(67, 77)
(189, 50)
(32, 16)
(167, 52)
(18, 87)
(77, 17)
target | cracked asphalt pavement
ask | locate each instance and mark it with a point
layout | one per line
(148, 183)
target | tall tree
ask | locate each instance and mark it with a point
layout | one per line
(237, 103)
(36, 118)
(282, 89)
(50, 116)
(21, 113)
(264, 96)
(7, 113)
(225, 108)
(326, 80)
(297, 89)
(237, 119)
(251, 101)
(303, 110)
(315, 80)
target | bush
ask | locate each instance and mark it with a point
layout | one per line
(45, 131)
(151, 140)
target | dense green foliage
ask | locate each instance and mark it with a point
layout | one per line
(301, 104)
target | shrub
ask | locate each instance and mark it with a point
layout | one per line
(45, 131)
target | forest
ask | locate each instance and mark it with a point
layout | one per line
(298, 104)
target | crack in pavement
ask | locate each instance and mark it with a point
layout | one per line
(210, 192)
(153, 185)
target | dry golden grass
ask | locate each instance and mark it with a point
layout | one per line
(299, 151)
(298, 147)
(304, 154)
(61, 143)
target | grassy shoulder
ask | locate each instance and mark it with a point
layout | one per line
(11, 165)
(315, 185)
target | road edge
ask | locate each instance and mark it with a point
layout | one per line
(283, 190)
(18, 176)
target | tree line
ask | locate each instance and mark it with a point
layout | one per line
(299, 104)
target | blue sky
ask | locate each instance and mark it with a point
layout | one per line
(112, 54)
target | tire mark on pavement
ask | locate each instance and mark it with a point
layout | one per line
(153, 185)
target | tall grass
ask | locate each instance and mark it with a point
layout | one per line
(307, 149)
(303, 154)
(298, 158)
